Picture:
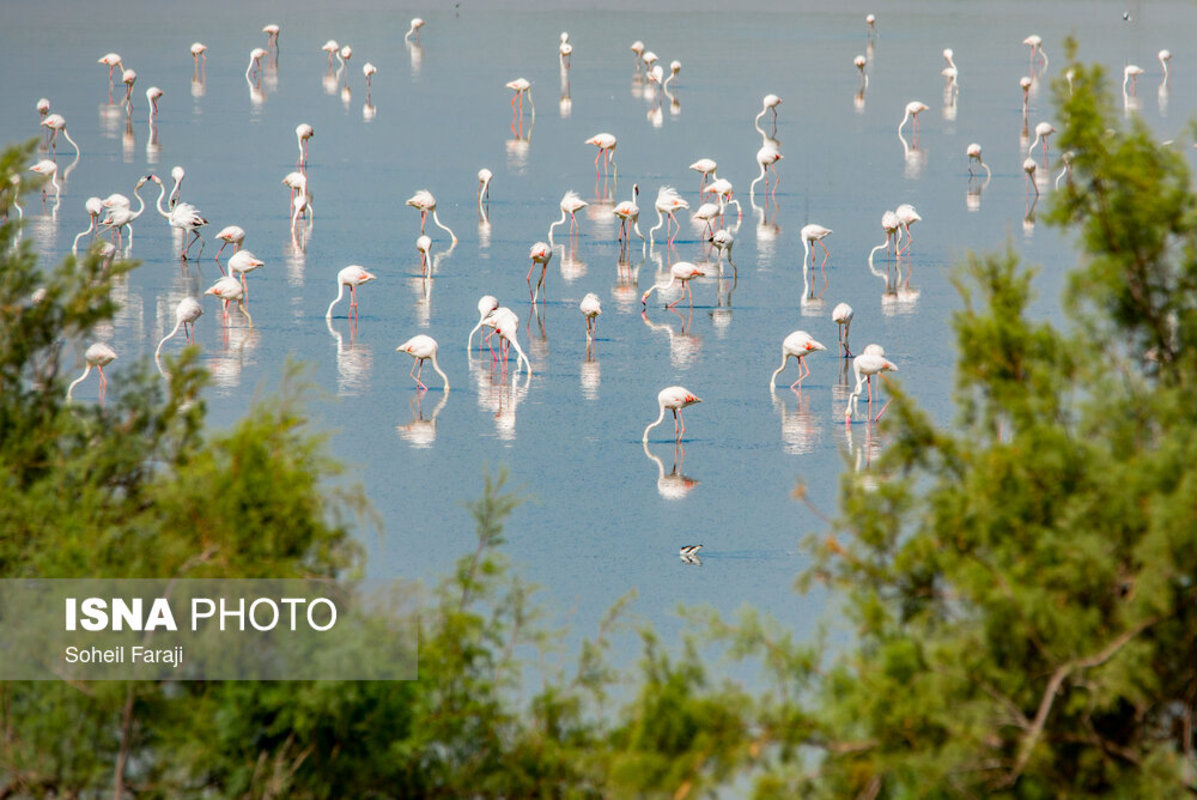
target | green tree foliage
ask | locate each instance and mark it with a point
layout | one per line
(1023, 585)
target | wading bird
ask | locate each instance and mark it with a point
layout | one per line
(422, 348)
(674, 398)
(352, 276)
(797, 345)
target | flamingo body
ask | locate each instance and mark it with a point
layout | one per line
(672, 398)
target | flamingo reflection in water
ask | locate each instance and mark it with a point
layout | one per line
(684, 346)
(498, 397)
(420, 433)
(800, 428)
(355, 362)
(672, 485)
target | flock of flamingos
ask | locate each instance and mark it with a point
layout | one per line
(115, 215)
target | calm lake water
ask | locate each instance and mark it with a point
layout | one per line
(608, 514)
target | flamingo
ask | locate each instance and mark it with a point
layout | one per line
(842, 316)
(769, 103)
(571, 204)
(119, 212)
(1066, 157)
(1164, 56)
(128, 77)
(865, 366)
(416, 24)
(629, 212)
(255, 62)
(861, 62)
(352, 276)
(675, 67)
(810, 234)
(486, 304)
(343, 55)
(368, 72)
(949, 72)
(1029, 167)
(974, 154)
(230, 234)
(767, 156)
(228, 289)
(296, 182)
(707, 167)
(183, 216)
(46, 167)
(722, 188)
(892, 227)
(95, 207)
(112, 61)
(43, 108)
(177, 174)
(187, 311)
(913, 109)
(605, 142)
(1131, 73)
(505, 323)
(424, 247)
(565, 49)
(99, 355)
(674, 398)
(797, 345)
(271, 32)
(56, 124)
(303, 132)
(426, 203)
(484, 179)
(680, 272)
(422, 348)
(871, 24)
(301, 205)
(242, 262)
(151, 95)
(521, 87)
(1035, 42)
(199, 50)
(668, 201)
(722, 240)
(1042, 131)
(637, 49)
(542, 254)
(1025, 84)
(591, 307)
(907, 216)
(706, 214)
(331, 47)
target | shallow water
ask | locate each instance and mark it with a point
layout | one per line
(608, 514)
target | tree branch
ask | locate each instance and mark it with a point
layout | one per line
(1053, 685)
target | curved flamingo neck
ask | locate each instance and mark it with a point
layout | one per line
(340, 294)
(440, 372)
(654, 423)
(158, 204)
(178, 324)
